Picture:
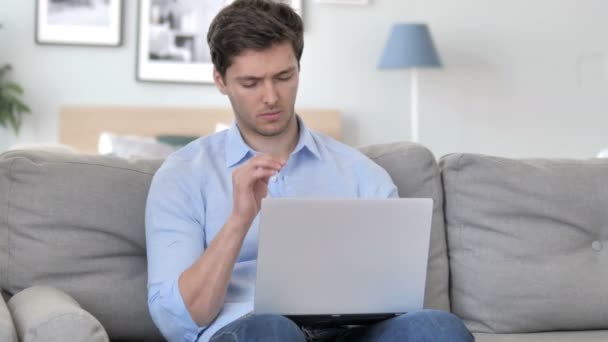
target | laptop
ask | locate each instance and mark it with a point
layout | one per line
(342, 261)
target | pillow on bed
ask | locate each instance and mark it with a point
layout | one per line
(175, 140)
(128, 146)
(49, 147)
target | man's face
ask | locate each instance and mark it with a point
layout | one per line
(262, 88)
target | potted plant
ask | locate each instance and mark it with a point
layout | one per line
(12, 107)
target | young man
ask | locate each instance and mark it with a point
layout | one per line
(201, 215)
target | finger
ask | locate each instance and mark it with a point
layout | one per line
(263, 174)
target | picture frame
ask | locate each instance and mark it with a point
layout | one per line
(172, 40)
(79, 22)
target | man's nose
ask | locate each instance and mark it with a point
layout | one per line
(270, 95)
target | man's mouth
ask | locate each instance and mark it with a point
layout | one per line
(271, 115)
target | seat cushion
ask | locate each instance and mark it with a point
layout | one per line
(528, 242)
(45, 314)
(415, 172)
(76, 223)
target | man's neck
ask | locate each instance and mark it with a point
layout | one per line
(279, 146)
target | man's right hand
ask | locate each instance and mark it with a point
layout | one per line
(250, 186)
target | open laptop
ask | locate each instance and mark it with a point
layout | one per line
(345, 261)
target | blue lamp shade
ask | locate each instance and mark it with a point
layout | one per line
(409, 46)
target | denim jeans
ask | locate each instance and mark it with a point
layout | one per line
(423, 325)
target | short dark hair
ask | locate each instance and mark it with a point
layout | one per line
(253, 24)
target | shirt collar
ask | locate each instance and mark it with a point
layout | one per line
(237, 149)
(306, 140)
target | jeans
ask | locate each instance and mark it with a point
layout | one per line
(423, 325)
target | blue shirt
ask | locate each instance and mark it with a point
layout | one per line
(190, 200)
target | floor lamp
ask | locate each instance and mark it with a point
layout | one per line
(410, 46)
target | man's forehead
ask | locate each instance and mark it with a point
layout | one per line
(260, 63)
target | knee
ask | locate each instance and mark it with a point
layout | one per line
(274, 327)
(443, 325)
(272, 321)
(435, 316)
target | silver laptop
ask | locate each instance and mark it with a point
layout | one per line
(355, 260)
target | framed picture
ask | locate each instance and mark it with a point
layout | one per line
(79, 22)
(172, 39)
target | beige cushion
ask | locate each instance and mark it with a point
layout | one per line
(566, 336)
(415, 172)
(7, 328)
(76, 223)
(528, 242)
(46, 314)
(58, 148)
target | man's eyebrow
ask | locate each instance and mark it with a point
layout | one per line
(248, 78)
(257, 78)
(286, 71)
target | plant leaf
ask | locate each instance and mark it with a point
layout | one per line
(12, 119)
(4, 70)
(12, 107)
(22, 108)
(14, 87)
(3, 115)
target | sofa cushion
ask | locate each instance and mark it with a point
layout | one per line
(415, 172)
(528, 242)
(76, 223)
(7, 327)
(46, 314)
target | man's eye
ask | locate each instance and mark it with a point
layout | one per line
(249, 85)
(284, 78)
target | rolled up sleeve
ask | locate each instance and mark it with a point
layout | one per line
(175, 238)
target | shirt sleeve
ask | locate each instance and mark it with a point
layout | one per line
(175, 238)
(374, 181)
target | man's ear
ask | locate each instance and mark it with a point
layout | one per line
(218, 79)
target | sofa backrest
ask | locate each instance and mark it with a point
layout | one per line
(76, 223)
(414, 170)
(528, 242)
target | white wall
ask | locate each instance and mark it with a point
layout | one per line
(522, 78)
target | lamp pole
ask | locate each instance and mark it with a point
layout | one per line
(414, 109)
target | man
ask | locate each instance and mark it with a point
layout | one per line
(201, 215)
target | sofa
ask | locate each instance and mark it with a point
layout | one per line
(519, 248)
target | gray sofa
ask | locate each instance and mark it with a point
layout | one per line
(519, 248)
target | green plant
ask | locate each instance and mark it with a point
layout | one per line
(11, 106)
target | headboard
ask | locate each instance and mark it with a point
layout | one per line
(81, 126)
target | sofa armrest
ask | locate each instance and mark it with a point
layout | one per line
(7, 328)
(44, 313)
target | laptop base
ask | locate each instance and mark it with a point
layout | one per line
(340, 320)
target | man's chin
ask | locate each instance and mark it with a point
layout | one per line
(269, 133)
(274, 128)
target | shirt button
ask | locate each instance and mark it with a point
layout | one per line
(273, 179)
(597, 246)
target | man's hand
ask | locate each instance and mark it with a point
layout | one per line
(203, 285)
(250, 185)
